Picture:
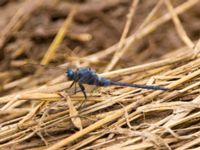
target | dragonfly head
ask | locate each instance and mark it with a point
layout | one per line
(70, 74)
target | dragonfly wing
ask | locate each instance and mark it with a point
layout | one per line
(43, 70)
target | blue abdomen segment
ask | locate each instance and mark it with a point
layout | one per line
(104, 82)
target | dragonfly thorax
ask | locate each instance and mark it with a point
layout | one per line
(70, 74)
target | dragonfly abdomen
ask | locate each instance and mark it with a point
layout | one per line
(103, 82)
(143, 86)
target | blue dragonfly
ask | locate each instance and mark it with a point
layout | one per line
(85, 75)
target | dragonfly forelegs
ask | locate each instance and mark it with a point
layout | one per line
(71, 84)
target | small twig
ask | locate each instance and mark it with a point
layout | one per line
(59, 37)
(130, 15)
(181, 32)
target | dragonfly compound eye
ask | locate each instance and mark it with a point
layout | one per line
(70, 74)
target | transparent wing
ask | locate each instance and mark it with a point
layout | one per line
(32, 66)
(45, 72)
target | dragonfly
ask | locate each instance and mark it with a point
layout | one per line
(85, 75)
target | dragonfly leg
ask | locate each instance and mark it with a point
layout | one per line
(71, 84)
(75, 89)
(83, 90)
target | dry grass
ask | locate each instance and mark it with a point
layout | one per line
(48, 117)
